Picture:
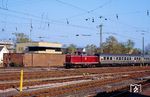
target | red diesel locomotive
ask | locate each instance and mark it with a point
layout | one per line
(81, 61)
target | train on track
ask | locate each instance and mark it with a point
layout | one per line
(106, 60)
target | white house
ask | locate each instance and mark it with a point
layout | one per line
(3, 50)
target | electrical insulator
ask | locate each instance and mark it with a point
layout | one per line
(117, 16)
(77, 34)
(100, 17)
(147, 12)
(48, 24)
(3, 29)
(86, 19)
(67, 21)
(93, 20)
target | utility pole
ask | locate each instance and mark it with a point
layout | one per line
(101, 48)
(142, 54)
(31, 28)
(143, 47)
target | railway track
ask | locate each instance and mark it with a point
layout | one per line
(78, 80)
(5, 76)
(64, 90)
(37, 81)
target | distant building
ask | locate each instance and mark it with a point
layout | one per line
(39, 47)
(3, 50)
(9, 45)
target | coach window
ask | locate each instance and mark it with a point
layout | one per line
(127, 58)
(116, 58)
(119, 58)
(107, 58)
(113, 58)
(104, 58)
(110, 58)
(138, 58)
(124, 58)
(134, 58)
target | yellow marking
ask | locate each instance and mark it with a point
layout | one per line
(21, 80)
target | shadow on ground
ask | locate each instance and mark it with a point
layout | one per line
(120, 94)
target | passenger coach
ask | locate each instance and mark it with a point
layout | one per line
(120, 59)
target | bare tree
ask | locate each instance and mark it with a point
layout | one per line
(21, 37)
(90, 49)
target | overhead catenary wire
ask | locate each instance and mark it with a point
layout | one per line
(34, 15)
(36, 18)
(84, 10)
(68, 4)
(92, 10)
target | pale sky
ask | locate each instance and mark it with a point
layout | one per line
(76, 21)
